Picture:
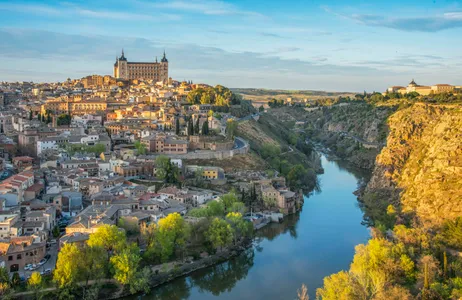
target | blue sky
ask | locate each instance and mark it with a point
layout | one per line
(344, 45)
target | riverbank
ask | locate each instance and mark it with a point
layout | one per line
(285, 255)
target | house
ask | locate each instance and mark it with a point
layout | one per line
(21, 163)
(20, 251)
(7, 228)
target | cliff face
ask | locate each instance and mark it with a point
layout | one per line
(421, 166)
(353, 131)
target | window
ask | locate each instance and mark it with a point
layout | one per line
(10, 258)
(19, 256)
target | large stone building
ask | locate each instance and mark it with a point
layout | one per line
(157, 71)
(422, 89)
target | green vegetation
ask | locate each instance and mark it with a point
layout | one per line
(140, 148)
(166, 170)
(64, 119)
(218, 96)
(81, 148)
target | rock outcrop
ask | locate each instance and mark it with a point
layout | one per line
(421, 166)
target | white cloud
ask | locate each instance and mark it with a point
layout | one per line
(207, 7)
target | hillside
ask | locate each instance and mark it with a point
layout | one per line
(422, 162)
(283, 150)
(355, 131)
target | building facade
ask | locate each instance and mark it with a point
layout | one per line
(157, 71)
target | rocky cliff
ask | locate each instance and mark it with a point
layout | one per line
(421, 166)
(355, 132)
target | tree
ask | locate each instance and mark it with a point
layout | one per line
(130, 225)
(177, 126)
(15, 280)
(261, 108)
(55, 232)
(67, 271)
(166, 170)
(35, 283)
(93, 265)
(269, 202)
(171, 235)
(30, 114)
(220, 233)
(302, 293)
(39, 117)
(205, 127)
(452, 233)
(231, 127)
(126, 265)
(108, 237)
(336, 286)
(238, 207)
(241, 227)
(140, 148)
(228, 200)
(215, 208)
(5, 285)
(190, 127)
(197, 128)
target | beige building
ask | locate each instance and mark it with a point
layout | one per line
(157, 71)
(422, 89)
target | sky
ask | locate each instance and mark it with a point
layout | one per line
(347, 45)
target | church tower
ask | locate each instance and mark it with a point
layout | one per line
(164, 69)
(121, 67)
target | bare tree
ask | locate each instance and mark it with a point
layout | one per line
(302, 293)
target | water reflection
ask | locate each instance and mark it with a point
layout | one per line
(223, 277)
(304, 248)
(215, 280)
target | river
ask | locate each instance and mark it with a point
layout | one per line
(305, 248)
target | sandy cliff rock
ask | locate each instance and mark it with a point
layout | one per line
(421, 166)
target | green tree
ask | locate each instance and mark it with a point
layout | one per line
(171, 235)
(241, 227)
(205, 127)
(261, 108)
(93, 265)
(220, 233)
(177, 126)
(5, 284)
(270, 202)
(30, 114)
(452, 233)
(231, 127)
(67, 272)
(228, 200)
(215, 209)
(238, 207)
(126, 269)
(166, 170)
(197, 127)
(35, 283)
(140, 148)
(55, 232)
(15, 280)
(109, 237)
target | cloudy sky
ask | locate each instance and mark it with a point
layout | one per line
(345, 45)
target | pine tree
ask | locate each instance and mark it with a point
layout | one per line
(445, 265)
(30, 114)
(190, 127)
(177, 126)
(196, 128)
